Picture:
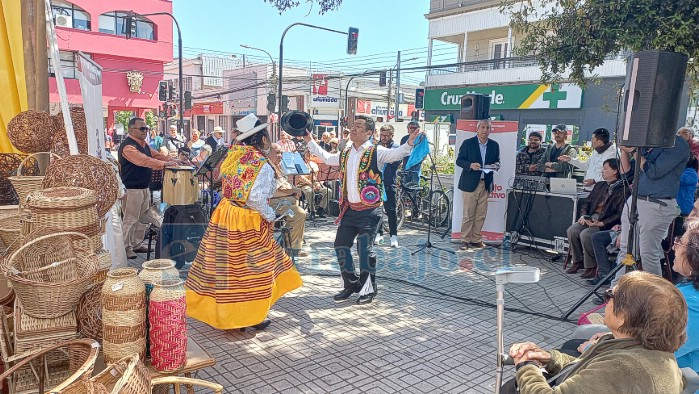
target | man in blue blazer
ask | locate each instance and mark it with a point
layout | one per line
(475, 155)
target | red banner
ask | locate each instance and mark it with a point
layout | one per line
(215, 108)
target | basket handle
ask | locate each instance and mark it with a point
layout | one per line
(178, 380)
(21, 165)
(17, 253)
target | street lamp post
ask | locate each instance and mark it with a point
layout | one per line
(180, 88)
(272, 81)
(281, 61)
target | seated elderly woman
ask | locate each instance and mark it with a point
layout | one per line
(647, 317)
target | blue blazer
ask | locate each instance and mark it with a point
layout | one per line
(470, 152)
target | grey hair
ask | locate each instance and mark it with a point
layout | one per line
(484, 121)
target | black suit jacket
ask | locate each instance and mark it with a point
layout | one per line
(469, 153)
(211, 141)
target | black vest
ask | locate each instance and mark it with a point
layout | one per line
(133, 176)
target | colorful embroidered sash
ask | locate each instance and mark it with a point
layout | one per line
(239, 171)
(369, 182)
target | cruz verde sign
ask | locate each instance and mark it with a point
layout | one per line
(554, 96)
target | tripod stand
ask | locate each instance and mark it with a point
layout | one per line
(428, 243)
(631, 247)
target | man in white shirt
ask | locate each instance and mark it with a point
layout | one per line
(603, 149)
(360, 203)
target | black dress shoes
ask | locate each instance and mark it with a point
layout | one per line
(344, 294)
(262, 325)
(366, 299)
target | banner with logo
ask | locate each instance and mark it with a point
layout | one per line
(377, 108)
(325, 93)
(505, 134)
(556, 96)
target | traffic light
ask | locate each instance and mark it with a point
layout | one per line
(352, 38)
(285, 103)
(187, 100)
(419, 98)
(171, 91)
(173, 111)
(162, 91)
(382, 78)
(271, 100)
(129, 27)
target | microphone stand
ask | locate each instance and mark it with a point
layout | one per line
(428, 243)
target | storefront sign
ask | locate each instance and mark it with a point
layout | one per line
(554, 96)
(322, 94)
(376, 108)
(215, 108)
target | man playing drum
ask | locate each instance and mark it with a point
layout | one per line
(137, 161)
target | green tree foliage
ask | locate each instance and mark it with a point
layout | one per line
(577, 35)
(325, 5)
(123, 117)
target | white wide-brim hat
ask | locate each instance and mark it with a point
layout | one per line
(218, 129)
(248, 126)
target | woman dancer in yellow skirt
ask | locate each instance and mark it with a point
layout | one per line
(240, 271)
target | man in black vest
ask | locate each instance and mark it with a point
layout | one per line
(478, 157)
(361, 208)
(137, 161)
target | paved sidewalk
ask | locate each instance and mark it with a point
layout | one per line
(431, 328)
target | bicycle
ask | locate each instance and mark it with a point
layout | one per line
(415, 200)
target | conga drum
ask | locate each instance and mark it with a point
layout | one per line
(180, 186)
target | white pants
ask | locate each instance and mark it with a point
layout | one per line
(136, 202)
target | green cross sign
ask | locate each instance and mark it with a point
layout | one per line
(554, 96)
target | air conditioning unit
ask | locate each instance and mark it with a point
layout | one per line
(64, 21)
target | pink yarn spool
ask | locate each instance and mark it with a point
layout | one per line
(168, 326)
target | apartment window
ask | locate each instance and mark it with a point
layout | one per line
(68, 15)
(223, 122)
(187, 84)
(498, 50)
(113, 23)
(69, 65)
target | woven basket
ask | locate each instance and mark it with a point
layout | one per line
(79, 357)
(29, 131)
(89, 313)
(31, 333)
(26, 184)
(60, 209)
(10, 232)
(88, 172)
(59, 138)
(154, 271)
(123, 315)
(46, 289)
(9, 162)
(168, 326)
(125, 376)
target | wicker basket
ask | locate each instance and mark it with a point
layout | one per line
(71, 209)
(127, 375)
(89, 313)
(26, 184)
(59, 138)
(10, 232)
(88, 172)
(9, 162)
(31, 333)
(154, 271)
(123, 315)
(30, 131)
(45, 288)
(168, 326)
(78, 357)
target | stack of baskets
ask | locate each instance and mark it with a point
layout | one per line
(49, 275)
(28, 179)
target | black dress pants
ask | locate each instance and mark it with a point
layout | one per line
(362, 226)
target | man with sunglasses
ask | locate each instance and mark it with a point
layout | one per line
(137, 161)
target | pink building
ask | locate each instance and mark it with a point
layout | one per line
(94, 27)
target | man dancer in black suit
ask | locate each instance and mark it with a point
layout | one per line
(476, 155)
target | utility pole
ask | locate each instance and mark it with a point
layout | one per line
(396, 110)
(388, 101)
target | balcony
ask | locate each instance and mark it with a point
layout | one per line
(510, 70)
(439, 8)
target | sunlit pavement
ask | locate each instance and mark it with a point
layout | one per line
(415, 337)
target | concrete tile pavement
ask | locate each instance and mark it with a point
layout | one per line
(431, 328)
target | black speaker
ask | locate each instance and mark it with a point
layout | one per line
(181, 233)
(652, 94)
(475, 106)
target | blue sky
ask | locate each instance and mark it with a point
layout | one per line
(385, 27)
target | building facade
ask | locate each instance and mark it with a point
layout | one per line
(94, 27)
(483, 41)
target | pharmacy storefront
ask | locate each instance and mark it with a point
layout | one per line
(538, 106)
